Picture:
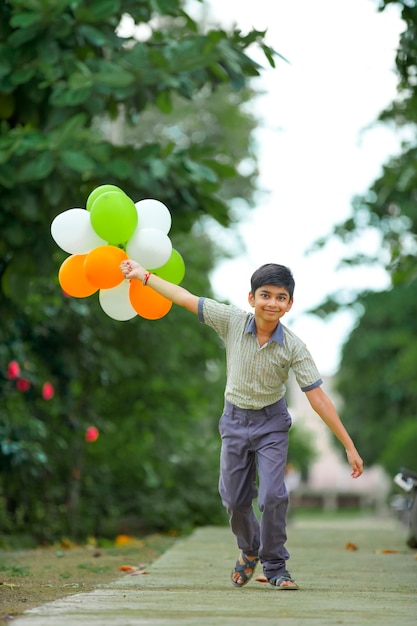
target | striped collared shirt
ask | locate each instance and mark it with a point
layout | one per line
(256, 376)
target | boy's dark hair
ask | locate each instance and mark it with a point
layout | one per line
(273, 274)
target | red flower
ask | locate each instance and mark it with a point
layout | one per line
(13, 370)
(23, 384)
(91, 434)
(48, 391)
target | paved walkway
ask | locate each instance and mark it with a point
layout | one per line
(190, 586)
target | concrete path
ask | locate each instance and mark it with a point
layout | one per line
(376, 584)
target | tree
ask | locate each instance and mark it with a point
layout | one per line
(378, 363)
(377, 377)
(64, 68)
(50, 151)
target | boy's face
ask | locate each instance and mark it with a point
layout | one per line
(270, 303)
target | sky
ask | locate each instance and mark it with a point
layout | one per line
(318, 147)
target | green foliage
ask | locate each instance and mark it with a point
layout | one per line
(63, 65)
(70, 77)
(401, 451)
(389, 208)
(302, 451)
(379, 362)
(211, 120)
(156, 402)
(379, 400)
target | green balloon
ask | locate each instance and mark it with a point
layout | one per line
(114, 216)
(97, 192)
(173, 270)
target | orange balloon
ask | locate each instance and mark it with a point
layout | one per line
(73, 279)
(147, 302)
(102, 266)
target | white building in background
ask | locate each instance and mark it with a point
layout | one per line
(329, 476)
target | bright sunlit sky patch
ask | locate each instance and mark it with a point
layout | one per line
(314, 151)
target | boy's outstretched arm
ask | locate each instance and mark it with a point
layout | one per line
(324, 407)
(175, 293)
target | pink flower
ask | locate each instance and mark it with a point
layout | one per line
(13, 370)
(48, 391)
(91, 434)
(23, 384)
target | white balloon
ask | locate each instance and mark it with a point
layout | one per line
(72, 231)
(115, 302)
(150, 247)
(153, 214)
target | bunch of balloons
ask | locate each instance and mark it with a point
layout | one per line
(98, 238)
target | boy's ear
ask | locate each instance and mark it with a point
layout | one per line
(251, 299)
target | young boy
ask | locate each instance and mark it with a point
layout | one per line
(255, 422)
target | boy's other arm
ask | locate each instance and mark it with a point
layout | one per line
(324, 407)
(175, 293)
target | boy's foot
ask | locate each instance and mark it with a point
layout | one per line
(283, 583)
(244, 569)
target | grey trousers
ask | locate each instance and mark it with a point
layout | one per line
(254, 452)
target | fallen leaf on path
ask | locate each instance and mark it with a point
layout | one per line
(351, 546)
(138, 572)
(261, 579)
(132, 570)
(387, 551)
(10, 585)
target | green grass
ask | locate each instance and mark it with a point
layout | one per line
(11, 569)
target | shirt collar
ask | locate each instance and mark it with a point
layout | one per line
(277, 335)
